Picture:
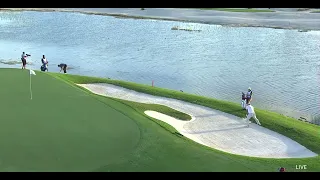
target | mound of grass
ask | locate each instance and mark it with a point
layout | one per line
(237, 9)
(160, 108)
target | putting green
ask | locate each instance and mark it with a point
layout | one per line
(65, 128)
(61, 129)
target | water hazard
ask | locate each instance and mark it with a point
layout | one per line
(281, 66)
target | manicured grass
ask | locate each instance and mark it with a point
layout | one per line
(304, 133)
(159, 108)
(237, 10)
(67, 128)
(56, 131)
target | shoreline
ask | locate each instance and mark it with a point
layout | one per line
(300, 116)
(303, 117)
(302, 21)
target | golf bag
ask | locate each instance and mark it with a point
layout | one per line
(243, 104)
(243, 101)
(43, 68)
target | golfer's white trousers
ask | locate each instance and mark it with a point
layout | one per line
(252, 115)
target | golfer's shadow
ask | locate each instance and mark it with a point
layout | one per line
(239, 126)
(215, 114)
(206, 115)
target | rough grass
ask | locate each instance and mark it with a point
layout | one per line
(302, 132)
(159, 108)
(307, 134)
(237, 9)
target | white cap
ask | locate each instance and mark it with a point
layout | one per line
(249, 88)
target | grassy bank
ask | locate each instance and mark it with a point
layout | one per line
(317, 11)
(304, 133)
(237, 9)
(67, 128)
(297, 130)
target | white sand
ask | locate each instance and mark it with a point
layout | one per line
(213, 128)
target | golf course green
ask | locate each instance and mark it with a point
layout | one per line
(67, 128)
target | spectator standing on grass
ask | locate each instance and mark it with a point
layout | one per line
(44, 63)
(24, 59)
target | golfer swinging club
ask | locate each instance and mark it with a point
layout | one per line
(251, 114)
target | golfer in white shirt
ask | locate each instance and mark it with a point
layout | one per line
(251, 114)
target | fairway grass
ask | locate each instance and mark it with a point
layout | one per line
(66, 128)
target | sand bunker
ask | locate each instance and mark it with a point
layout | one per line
(213, 128)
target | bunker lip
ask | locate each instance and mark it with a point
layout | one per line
(213, 128)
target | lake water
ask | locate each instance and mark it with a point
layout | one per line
(281, 66)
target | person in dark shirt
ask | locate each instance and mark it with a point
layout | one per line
(24, 59)
(63, 67)
(45, 63)
(282, 169)
(243, 101)
(249, 95)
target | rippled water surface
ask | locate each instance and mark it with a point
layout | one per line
(281, 66)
